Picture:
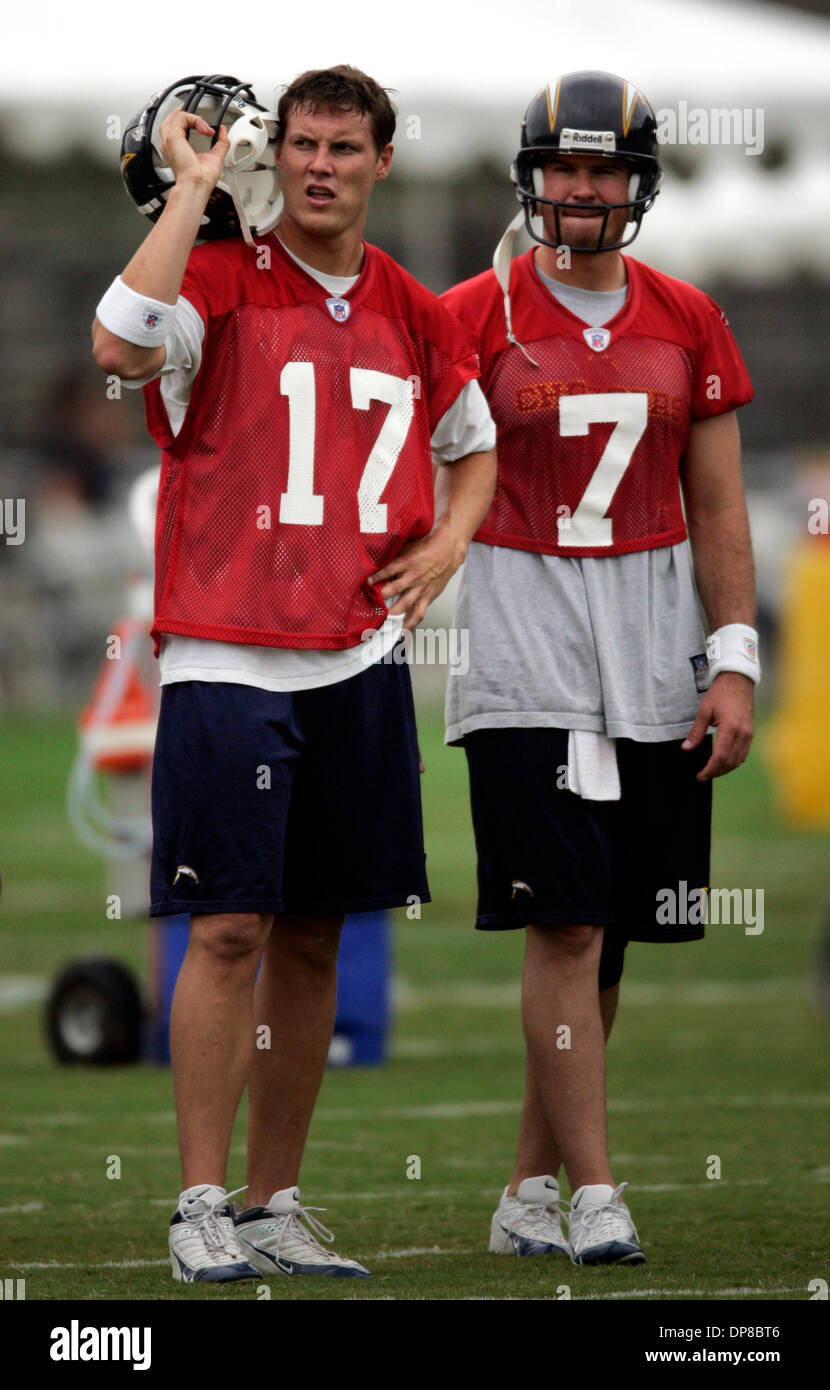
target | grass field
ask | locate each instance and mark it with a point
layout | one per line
(717, 1051)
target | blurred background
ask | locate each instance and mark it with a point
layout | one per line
(747, 221)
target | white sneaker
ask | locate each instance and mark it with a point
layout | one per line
(203, 1244)
(601, 1230)
(275, 1239)
(529, 1223)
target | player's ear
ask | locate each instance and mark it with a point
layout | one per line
(384, 162)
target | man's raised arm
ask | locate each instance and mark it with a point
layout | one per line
(154, 275)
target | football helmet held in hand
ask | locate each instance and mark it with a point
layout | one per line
(247, 196)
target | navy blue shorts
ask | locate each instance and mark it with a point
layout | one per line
(306, 803)
(550, 858)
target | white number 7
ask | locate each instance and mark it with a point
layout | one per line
(300, 504)
(628, 410)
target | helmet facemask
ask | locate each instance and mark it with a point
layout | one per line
(593, 113)
(247, 196)
(527, 174)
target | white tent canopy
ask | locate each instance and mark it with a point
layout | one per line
(693, 48)
(463, 76)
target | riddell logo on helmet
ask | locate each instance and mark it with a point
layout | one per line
(587, 140)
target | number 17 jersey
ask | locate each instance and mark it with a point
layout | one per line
(303, 462)
(592, 433)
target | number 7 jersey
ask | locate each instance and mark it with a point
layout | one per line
(593, 432)
(303, 462)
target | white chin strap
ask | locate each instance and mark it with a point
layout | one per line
(504, 251)
(502, 256)
(250, 176)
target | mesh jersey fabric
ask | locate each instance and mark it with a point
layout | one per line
(595, 307)
(591, 440)
(303, 462)
(465, 428)
(610, 644)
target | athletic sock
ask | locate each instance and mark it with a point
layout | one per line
(595, 1194)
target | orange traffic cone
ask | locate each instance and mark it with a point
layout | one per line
(118, 726)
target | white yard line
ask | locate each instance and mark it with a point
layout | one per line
(691, 1293)
(88, 1264)
(695, 1186)
(461, 1047)
(465, 1108)
(457, 1110)
(54, 1121)
(19, 991)
(417, 1252)
(410, 998)
(386, 1194)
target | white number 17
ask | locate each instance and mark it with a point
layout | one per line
(628, 410)
(300, 504)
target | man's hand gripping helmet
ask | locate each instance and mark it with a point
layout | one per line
(247, 197)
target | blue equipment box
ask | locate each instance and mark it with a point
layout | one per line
(363, 974)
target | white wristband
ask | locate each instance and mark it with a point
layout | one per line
(734, 648)
(135, 317)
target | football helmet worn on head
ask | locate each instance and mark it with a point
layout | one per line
(580, 113)
(588, 113)
(247, 197)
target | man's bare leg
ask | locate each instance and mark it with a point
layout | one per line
(212, 1037)
(537, 1151)
(560, 987)
(296, 996)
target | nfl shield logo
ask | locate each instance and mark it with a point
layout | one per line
(700, 666)
(339, 309)
(151, 319)
(597, 338)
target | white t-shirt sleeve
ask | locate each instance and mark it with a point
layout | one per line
(183, 358)
(466, 428)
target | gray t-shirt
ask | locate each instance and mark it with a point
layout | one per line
(594, 307)
(605, 644)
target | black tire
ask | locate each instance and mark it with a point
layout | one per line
(94, 1014)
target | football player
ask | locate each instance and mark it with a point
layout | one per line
(299, 386)
(592, 685)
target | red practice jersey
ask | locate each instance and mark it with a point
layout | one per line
(591, 440)
(304, 462)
